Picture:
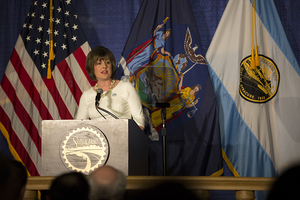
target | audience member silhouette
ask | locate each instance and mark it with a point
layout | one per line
(106, 182)
(13, 179)
(287, 185)
(69, 186)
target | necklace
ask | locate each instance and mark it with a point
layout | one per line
(112, 84)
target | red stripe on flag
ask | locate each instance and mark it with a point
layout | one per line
(21, 112)
(81, 58)
(69, 79)
(29, 86)
(17, 144)
(64, 112)
(139, 49)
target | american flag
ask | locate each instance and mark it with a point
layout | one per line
(27, 96)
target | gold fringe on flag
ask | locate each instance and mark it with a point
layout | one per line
(51, 52)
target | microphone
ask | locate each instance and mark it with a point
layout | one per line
(97, 99)
(98, 96)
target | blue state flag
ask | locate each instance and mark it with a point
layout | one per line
(163, 59)
(259, 102)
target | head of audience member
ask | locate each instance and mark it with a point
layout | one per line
(106, 182)
(72, 185)
(13, 179)
(287, 185)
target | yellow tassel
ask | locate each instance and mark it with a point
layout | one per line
(51, 57)
(49, 70)
(252, 64)
(256, 57)
(51, 52)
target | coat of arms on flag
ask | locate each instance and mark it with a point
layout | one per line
(260, 84)
(158, 76)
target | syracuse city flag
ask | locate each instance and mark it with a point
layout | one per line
(44, 78)
(256, 78)
(163, 59)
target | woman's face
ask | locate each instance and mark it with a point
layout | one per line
(103, 69)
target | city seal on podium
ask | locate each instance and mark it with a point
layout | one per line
(84, 149)
(261, 84)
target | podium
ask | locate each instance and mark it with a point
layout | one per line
(84, 145)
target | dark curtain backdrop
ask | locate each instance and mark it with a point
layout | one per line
(108, 23)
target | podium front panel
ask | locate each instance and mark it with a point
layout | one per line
(84, 145)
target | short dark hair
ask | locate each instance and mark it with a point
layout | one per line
(72, 185)
(13, 178)
(286, 187)
(101, 53)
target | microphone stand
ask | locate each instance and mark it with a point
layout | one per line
(97, 99)
(98, 109)
(163, 107)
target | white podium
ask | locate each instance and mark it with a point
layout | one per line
(84, 145)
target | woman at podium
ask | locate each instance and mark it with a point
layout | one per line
(108, 98)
